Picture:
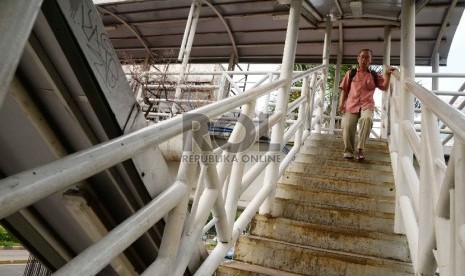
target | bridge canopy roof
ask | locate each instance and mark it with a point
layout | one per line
(256, 30)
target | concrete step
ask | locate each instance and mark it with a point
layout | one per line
(339, 144)
(338, 154)
(312, 261)
(336, 199)
(338, 184)
(235, 268)
(370, 243)
(370, 176)
(338, 138)
(336, 217)
(313, 159)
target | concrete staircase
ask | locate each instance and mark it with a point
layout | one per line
(335, 217)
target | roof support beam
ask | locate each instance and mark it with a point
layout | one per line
(231, 36)
(445, 21)
(131, 28)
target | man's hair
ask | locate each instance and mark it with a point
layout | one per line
(365, 50)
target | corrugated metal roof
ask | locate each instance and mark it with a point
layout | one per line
(259, 27)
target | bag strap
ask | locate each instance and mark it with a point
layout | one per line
(352, 73)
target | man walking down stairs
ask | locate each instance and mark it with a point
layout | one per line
(336, 217)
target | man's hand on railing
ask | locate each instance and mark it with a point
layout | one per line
(389, 70)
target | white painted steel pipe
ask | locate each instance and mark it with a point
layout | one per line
(186, 30)
(97, 256)
(337, 78)
(210, 265)
(209, 225)
(295, 104)
(453, 118)
(405, 99)
(62, 173)
(237, 171)
(255, 171)
(282, 99)
(412, 181)
(291, 131)
(287, 160)
(443, 204)
(412, 136)
(452, 231)
(440, 75)
(411, 228)
(462, 237)
(186, 53)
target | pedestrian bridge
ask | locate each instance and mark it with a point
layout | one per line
(88, 188)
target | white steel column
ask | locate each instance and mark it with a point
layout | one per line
(277, 132)
(16, 20)
(337, 79)
(326, 52)
(185, 52)
(386, 94)
(435, 69)
(407, 64)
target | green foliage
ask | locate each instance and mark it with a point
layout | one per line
(6, 239)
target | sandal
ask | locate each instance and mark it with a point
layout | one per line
(360, 155)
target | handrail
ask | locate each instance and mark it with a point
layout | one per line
(431, 205)
(62, 173)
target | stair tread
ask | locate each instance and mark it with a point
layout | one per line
(359, 220)
(335, 192)
(243, 266)
(336, 137)
(340, 209)
(333, 216)
(370, 243)
(325, 228)
(343, 173)
(339, 161)
(333, 153)
(338, 179)
(342, 257)
(337, 184)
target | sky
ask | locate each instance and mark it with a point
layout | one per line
(455, 62)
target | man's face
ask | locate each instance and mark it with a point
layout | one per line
(364, 59)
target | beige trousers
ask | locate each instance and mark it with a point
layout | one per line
(349, 129)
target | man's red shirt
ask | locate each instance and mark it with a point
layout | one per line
(361, 91)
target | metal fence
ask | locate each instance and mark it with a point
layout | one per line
(430, 205)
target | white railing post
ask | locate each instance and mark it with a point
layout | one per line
(282, 101)
(185, 53)
(237, 171)
(164, 263)
(210, 200)
(386, 94)
(326, 55)
(311, 80)
(406, 101)
(337, 79)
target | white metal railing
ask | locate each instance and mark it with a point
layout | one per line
(215, 193)
(431, 205)
(194, 94)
